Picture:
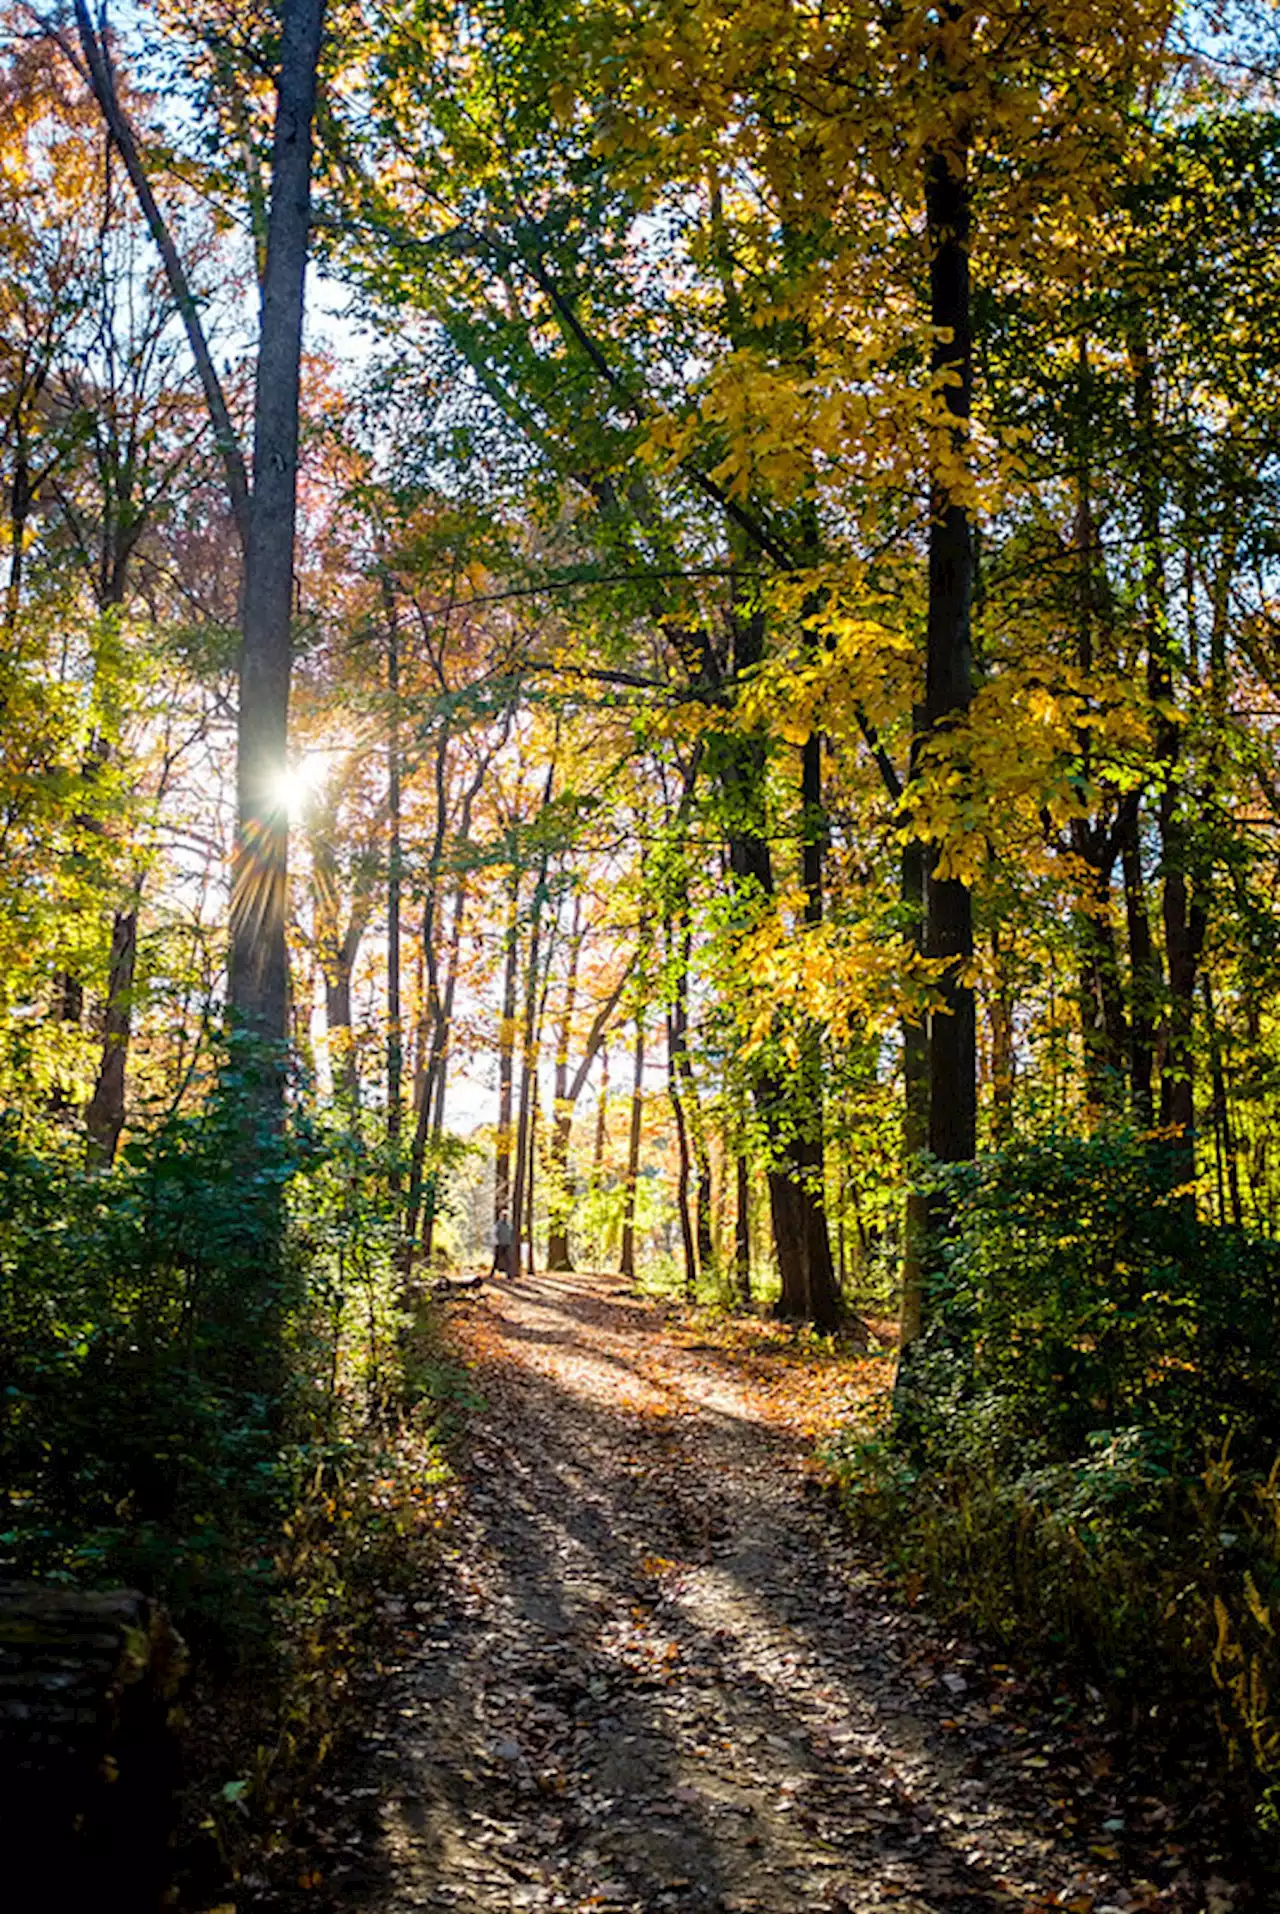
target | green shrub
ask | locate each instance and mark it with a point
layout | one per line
(1082, 1455)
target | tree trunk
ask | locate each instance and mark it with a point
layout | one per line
(528, 1071)
(949, 666)
(627, 1261)
(506, 1054)
(1181, 911)
(790, 1116)
(559, 1196)
(88, 1756)
(395, 1033)
(915, 1115)
(602, 1120)
(676, 1059)
(1003, 1055)
(742, 1229)
(258, 984)
(104, 1119)
(1145, 982)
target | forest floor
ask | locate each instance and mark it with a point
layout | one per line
(658, 1673)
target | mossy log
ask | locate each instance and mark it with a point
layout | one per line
(88, 1747)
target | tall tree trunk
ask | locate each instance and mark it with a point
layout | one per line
(676, 1021)
(507, 1051)
(528, 1076)
(258, 987)
(559, 1196)
(395, 1031)
(742, 1229)
(786, 1108)
(824, 1308)
(531, 1167)
(1181, 909)
(949, 665)
(1145, 981)
(627, 1260)
(915, 1115)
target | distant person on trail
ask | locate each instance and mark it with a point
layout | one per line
(501, 1245)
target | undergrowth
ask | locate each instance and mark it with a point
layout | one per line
(254, 1436)
(1081, 1458)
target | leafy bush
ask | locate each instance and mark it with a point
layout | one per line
(1082, 1455)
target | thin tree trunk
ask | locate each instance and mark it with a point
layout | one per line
(949, 666)
(395, 1030)
(742, 1229)
(676, 1018)
(824, 1305)
(602, 1120)
(559, 1198)
(627, 1260)
(529, 1157)
(506, 1054)
(1181, 910)
(915, 1115)
(104, 1119)
(1222, 1113)
(1145, 982)
(1003, 1056)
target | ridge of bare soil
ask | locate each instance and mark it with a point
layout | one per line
(660, 1674)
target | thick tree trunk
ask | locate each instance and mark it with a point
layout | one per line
(88, 1755)
(258, 987)
(627, 1260)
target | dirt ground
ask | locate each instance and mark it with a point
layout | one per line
(659, 1674)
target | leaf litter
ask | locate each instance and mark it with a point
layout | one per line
(657, 1673)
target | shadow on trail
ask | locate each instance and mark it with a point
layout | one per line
(628, 1693)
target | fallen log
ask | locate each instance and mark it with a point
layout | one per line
(88, 1747)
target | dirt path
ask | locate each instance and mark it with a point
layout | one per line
(659, 1676)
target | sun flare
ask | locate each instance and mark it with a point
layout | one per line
(299, 783)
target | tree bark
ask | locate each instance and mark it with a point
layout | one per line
(258, 986)
(104, 1119)
(742, 1229)
(676, 1023)
(506, 1052)
(559, 1198)
(1181, 908)
(395, 1033)
(627, 1260)
(88, 1757)
(949, 665)
(915, 1115)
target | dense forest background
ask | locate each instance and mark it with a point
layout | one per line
(717, 697)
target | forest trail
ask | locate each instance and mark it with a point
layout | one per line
(657, 1674)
